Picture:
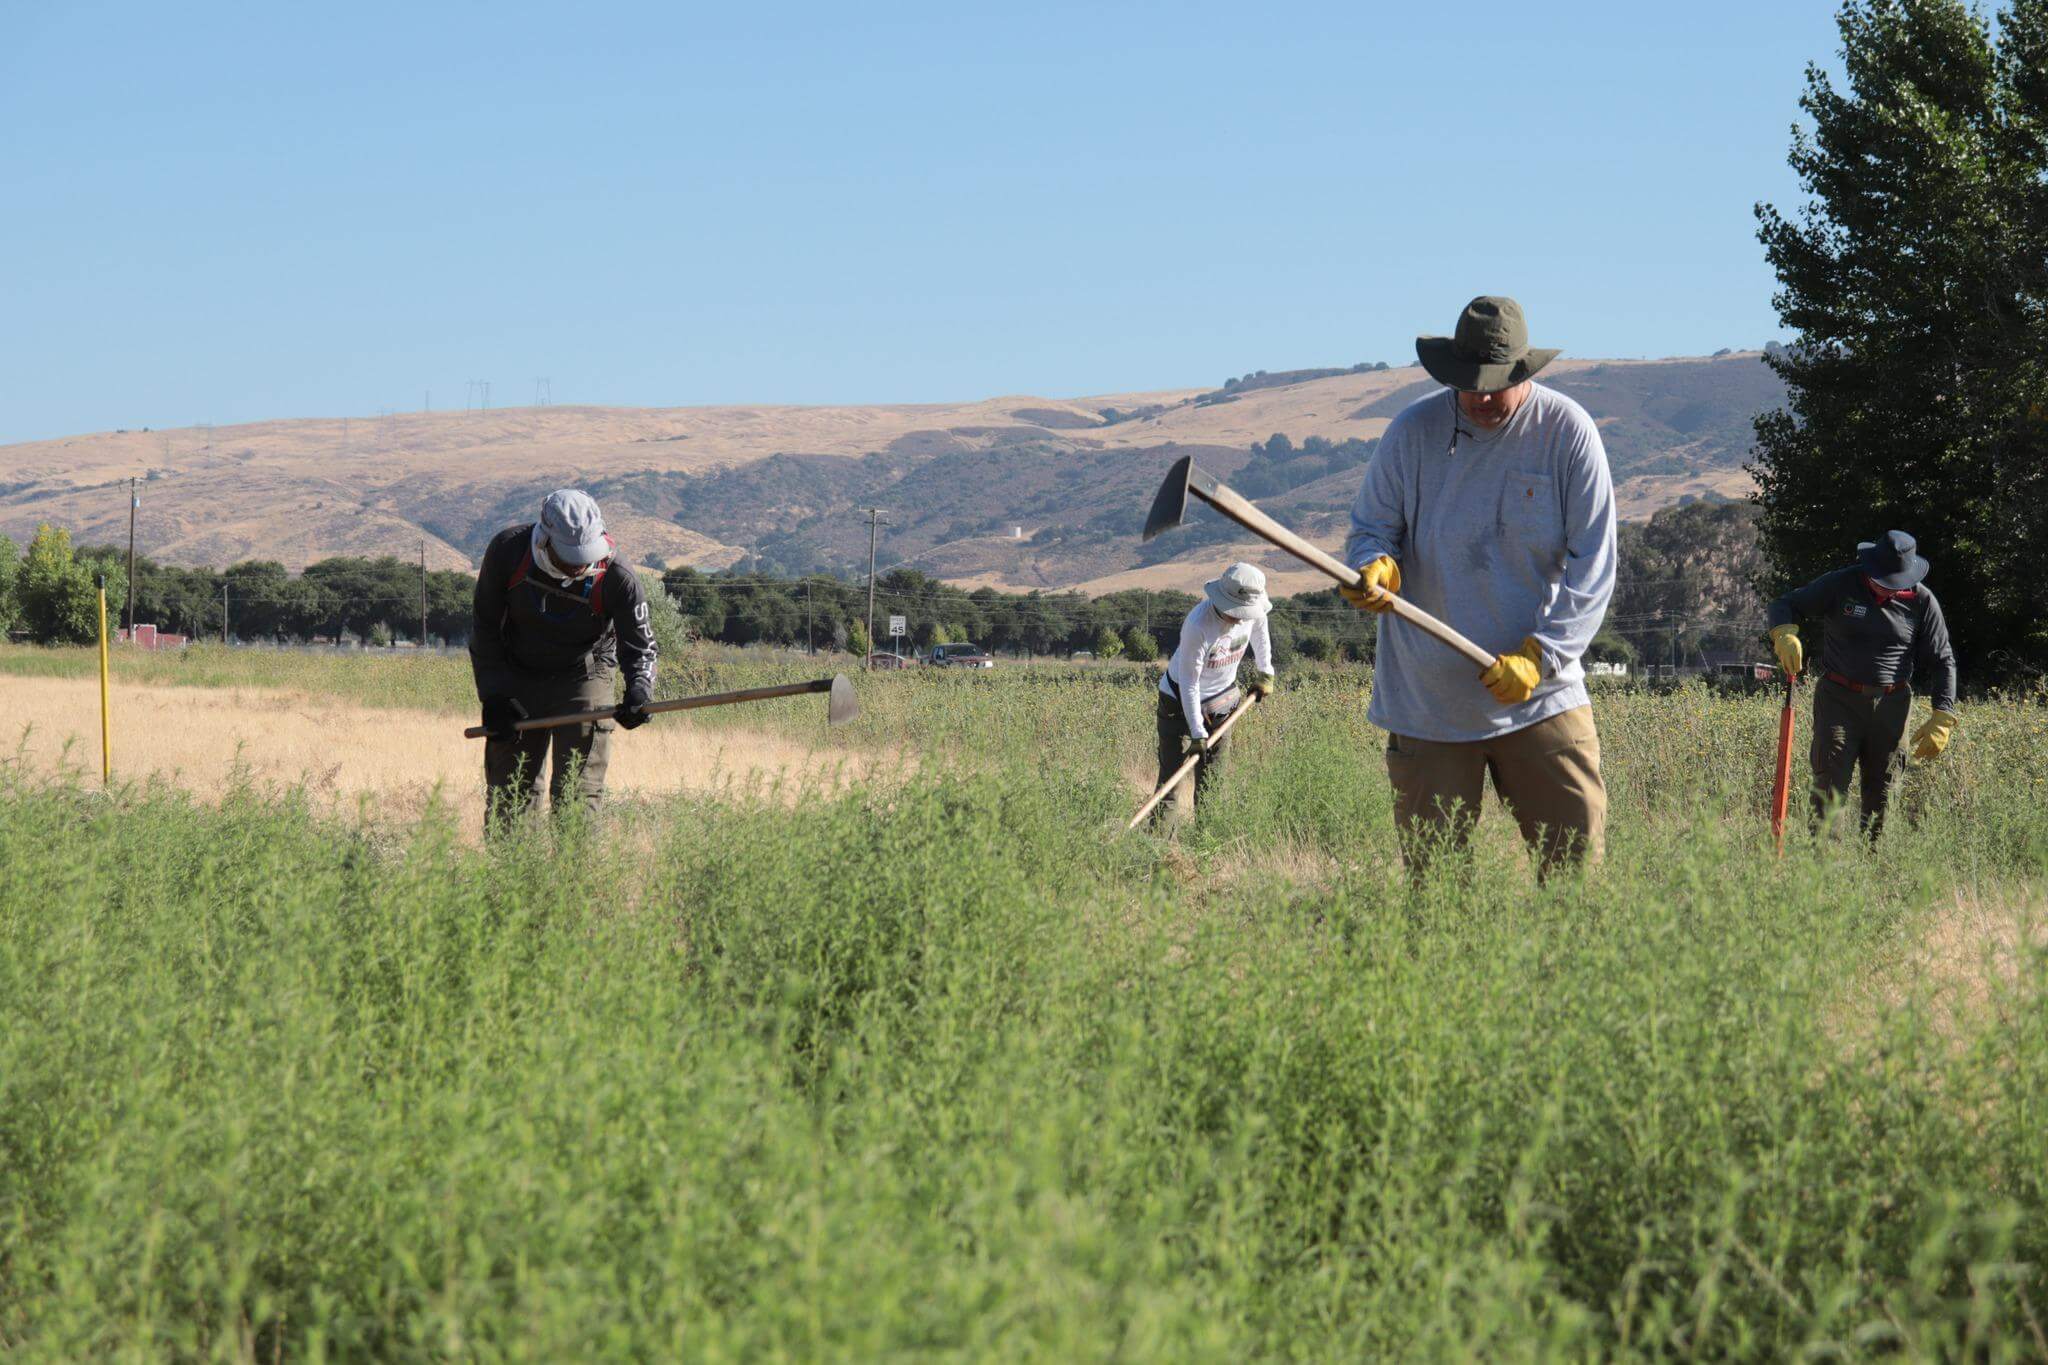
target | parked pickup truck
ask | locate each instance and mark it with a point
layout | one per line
(960, 656)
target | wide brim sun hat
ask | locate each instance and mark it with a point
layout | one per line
(1893, 562)
(1489, 352)
(1240, 591)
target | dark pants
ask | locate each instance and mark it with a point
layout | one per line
(1851, 728)
(514, 768)
(1179, 807)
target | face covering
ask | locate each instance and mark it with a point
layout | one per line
(1884, 595)
(545, 562)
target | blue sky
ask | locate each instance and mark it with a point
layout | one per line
(220, 213)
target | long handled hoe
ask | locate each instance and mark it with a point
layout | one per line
(1188, 764)
(1781, 785)
(1170, 508)
(842, 707)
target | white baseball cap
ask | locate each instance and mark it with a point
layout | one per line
(572, 527)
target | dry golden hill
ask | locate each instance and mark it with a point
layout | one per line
(1020, 491)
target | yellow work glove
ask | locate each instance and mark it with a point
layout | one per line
(1931, 739)
(1791, 654)
(1262, 686)
(1376, 580)
(1513, 677)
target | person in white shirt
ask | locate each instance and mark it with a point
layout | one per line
(1200, 685)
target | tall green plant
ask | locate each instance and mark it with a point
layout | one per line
(1916, 278)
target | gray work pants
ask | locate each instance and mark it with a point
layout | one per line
(1852, 728)
(1179, 807)
(514, 769)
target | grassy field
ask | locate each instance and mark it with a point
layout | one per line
(940, 1064)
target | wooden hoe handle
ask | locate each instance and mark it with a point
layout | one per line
(1188, 764)
(1227, 501)
(679, 704)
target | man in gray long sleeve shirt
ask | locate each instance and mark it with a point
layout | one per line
(1489, 505)
(1880, 625)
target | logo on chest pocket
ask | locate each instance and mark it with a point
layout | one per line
(1528, 506)
(1855, 611)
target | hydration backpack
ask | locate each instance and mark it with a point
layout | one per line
(596, 599)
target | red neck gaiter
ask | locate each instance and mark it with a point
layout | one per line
(1884, 595)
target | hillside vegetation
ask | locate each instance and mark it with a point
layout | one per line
(783, 488)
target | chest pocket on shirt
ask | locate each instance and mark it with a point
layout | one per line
(1866, 624)
(1528, 509)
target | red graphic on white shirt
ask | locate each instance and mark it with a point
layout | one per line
(1225, 653)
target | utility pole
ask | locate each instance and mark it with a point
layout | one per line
(223, 611)
(874, 521)
(810, 640)
(133, 503)
(423, 596)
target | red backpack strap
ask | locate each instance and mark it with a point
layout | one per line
(525, 567)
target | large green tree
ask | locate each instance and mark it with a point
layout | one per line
(1916, 278)
(57, 593)
(10, 565)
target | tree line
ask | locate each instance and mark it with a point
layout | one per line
(49, 595)
(1685, 584)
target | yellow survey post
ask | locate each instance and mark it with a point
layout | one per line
(106, 733)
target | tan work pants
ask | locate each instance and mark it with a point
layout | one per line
(1548, 774)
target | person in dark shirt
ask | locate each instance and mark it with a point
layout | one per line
(1882, 625)
(555, 613)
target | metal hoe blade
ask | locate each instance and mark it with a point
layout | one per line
(1184, 481)
(1170, 507)
(842, 705)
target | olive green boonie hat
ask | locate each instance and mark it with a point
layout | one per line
(1490, 351)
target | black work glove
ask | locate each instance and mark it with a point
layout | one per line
(632, 712)
(500, 713)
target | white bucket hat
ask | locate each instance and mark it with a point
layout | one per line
(570, 530)
(1240, 592)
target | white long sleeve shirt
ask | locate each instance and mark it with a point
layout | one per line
(1204, 665)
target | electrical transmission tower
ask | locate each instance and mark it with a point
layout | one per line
(543, 393)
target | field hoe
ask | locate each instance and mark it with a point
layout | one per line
(842, 705)
(1170, 509)
(1187, 765)
(1781, 783)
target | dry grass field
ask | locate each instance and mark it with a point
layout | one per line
(384, 762)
